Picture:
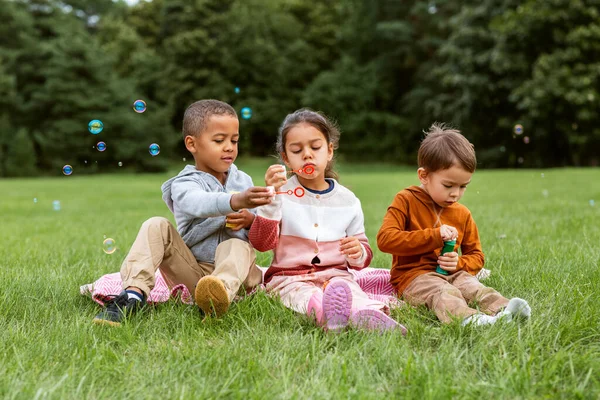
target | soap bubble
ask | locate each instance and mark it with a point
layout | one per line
(502, 149)
(432, 8)
(95, 126)
(56, 205)
(526, 139)
(109, 246)
(543, 175)
(139, 106)
(246, 113)
(120, 164)
(237, 89)
(592, 203)
(520, 160)
(154, 149)
(183, 158)
(67, 170)
(518, 129)
(545, 193)
(35, 200)
(101, 146)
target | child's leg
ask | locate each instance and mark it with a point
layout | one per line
(234, 265)
(489, 300)
(438, 295)
(159, 245)
(367, 313)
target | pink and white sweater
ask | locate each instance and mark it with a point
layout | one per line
(305, 232)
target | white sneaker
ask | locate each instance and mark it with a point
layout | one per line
(516, 309)
(479, 319)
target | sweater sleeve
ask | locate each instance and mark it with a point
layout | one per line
(394, 239)
(471, 259)
(264, 232)
(192, 199)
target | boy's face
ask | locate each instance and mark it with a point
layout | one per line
(216, 148)
(446, 186)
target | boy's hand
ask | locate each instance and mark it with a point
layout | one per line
(250, 198)
(448, 262)
(275, 176)
(239, 220)
(448, 233)
(351, 247)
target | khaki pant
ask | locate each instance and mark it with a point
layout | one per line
(448, 295)
(159, 246)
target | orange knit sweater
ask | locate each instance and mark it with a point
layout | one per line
(411, 234)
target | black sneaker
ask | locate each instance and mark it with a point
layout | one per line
(118, 309)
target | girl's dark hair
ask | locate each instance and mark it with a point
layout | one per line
(319, 121)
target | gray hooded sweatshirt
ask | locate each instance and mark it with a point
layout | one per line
(199, 203)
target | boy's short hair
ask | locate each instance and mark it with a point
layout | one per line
(444, 147)
(198, 113)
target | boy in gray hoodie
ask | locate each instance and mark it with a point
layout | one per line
(209, 251)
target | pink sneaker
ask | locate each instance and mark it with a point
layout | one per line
(375, 320)
(315, 308)
(337, 305)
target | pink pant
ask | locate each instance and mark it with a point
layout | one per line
(295, 291)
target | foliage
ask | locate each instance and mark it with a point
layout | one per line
(385, 70)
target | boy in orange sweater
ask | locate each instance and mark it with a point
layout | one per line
(419, 221)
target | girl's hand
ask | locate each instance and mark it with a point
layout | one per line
(275, 176)
(351, 247)
(448, 262)
(239, 220)
(448, 233)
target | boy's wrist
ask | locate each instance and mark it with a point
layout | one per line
(234, 203)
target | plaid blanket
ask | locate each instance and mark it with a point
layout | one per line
(374, 281)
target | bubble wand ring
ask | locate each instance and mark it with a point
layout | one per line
(298, 192)
(308, 170)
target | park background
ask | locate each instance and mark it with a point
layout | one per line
(385, 70)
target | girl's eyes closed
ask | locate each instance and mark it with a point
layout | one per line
(300, 150)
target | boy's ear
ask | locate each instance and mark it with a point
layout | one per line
(423, 176)
(190, 144)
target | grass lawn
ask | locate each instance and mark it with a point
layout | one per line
(539, 231)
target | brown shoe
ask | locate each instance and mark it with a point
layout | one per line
(211, 296)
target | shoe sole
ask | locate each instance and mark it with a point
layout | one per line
(99, 321)
(211, 296)
(337, 305)
(375, 320)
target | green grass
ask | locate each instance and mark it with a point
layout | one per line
(542, 248)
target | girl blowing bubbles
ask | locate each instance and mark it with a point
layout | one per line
(317, 232)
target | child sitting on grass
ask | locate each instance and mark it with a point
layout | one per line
(211, 259)
(316, 228)
(419, 221)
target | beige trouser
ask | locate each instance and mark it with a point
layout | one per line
(158, 245)
(448, 295)
(296, 290)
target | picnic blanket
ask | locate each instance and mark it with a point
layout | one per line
(375, 282)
